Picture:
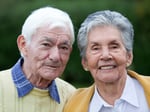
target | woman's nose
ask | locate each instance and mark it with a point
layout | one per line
(105, 54)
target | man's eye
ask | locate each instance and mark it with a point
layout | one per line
(64, 47)
(46, 44)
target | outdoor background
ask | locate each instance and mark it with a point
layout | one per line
(14, 12)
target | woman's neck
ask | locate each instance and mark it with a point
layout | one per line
(110, 92)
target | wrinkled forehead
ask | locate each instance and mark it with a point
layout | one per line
(57, 29)
(62, 37)
(53, 35)
(53, 31)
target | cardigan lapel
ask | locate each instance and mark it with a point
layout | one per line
(87, 98)
(144, 81)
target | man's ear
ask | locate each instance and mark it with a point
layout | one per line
(85, 64)
(21, 42)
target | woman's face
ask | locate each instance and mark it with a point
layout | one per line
(106, 56)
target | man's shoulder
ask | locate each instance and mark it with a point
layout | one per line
(6, 79)
(64, 84)
(65, 89)
(5, 73)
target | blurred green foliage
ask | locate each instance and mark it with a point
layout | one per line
(14, 12)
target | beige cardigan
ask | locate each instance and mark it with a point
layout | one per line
(80, 101)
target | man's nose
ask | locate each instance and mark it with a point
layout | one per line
(54, 54)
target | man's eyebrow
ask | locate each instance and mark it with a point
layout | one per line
(59, 34)
(66, 42)
(53, 40)
(46, 38)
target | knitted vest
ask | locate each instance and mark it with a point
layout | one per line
(36, 101)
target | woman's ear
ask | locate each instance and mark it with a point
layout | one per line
(84, 64)
(21, 42)
(129, 58)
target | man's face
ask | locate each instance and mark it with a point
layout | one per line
(47, 53)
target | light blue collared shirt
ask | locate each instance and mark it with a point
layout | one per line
(132, 100)
(24, 86)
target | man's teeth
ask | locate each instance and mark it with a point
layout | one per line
(106, 67)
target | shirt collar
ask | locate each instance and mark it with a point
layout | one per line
(24, 86)
(96, 102)
(129, 95)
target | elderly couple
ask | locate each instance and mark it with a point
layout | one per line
(105, 40)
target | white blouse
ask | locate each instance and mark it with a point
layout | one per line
(132, 100)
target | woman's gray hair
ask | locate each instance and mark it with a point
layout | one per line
(105, 18)
(46, 16)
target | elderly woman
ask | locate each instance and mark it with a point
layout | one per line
(105, 40)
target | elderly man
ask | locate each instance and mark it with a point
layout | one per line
(32, 84)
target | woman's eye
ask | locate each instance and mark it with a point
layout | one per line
(94, 48)
(114, 46)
